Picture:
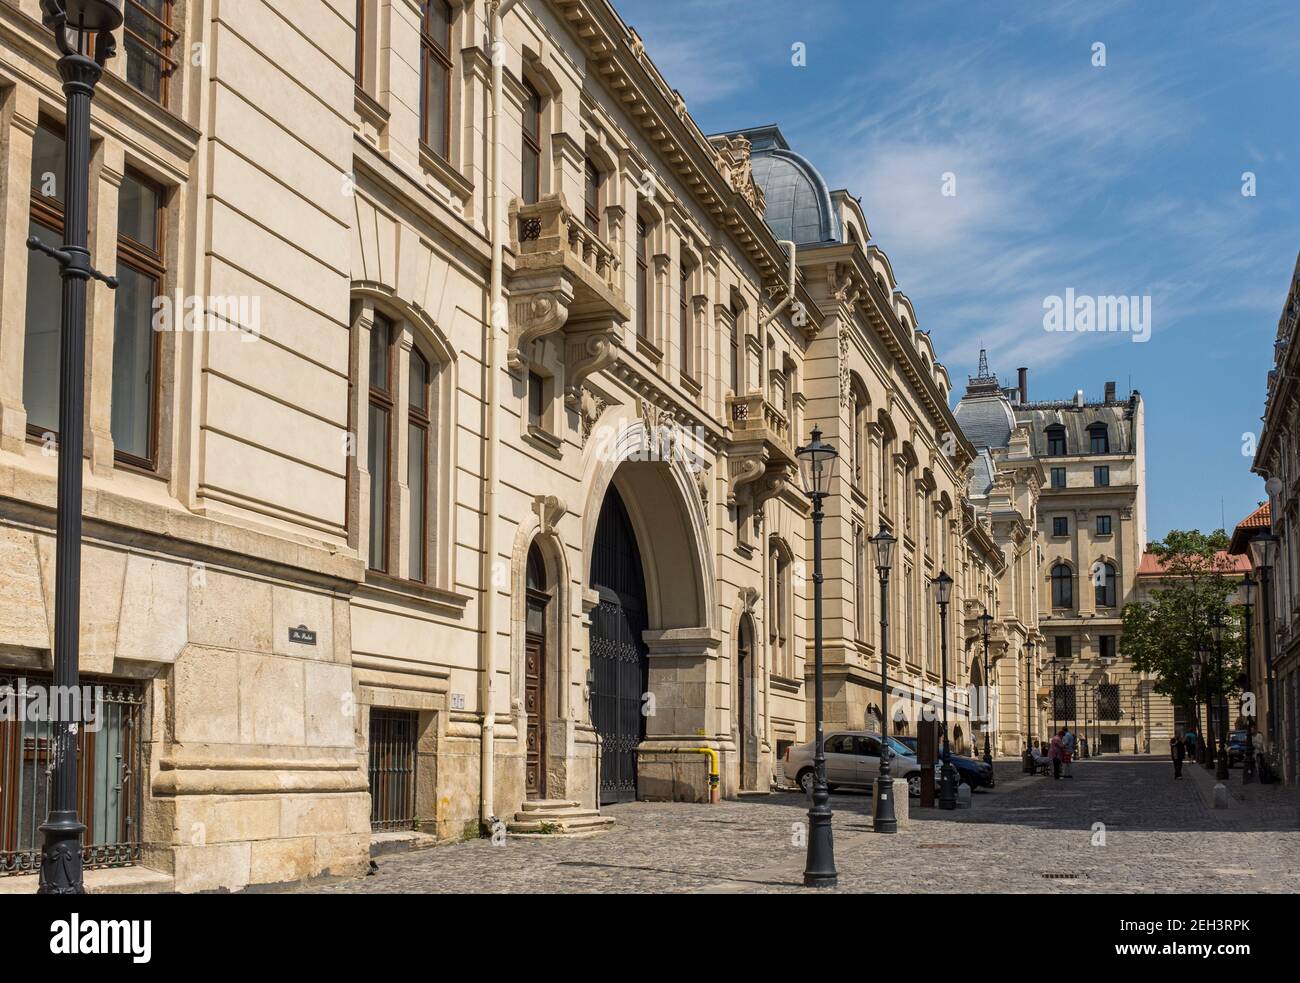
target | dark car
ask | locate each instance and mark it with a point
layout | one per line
(1237, 746)
(970, 771)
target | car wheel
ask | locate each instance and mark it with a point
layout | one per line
(914, 785)
(806, 779)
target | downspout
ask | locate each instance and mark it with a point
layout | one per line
(792, 251)
(497, 321)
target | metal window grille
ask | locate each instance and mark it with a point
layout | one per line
(392, 769)
(110, 769)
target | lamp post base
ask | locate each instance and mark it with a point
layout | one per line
(883, 819)
(819, 871)
(61, 867)
(947, 788)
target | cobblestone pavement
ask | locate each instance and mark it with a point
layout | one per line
(1029, 834)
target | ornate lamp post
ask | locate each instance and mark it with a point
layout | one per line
(1087, 721)
(83, 32)
(817, 464)
(1135, 723)
(884, 819)
(1217, 627)
(1196, 704)
(947, 780)
(986, 619)
(1263, 550)
(1247, 609)
(1029, 707)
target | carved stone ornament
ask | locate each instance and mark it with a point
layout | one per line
(550, 510)
(534, 314)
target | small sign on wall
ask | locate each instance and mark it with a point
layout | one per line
(302, 635)
(458, 701)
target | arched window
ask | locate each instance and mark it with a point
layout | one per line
(860, 444)
(1104, 585)
(530, 183)
(1062, 586)
(685, 326)
(419, 411)
(1099, 438)
(1056, 441)
(435, 77)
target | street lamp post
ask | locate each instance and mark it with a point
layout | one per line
(1206, 749)
(884, 820)
(1135, 723)
(83, 33)
(1247, 609)
(1217, 627)
(1263, 550)
(1085, 750)
(985, 620)
(1029, 707)
(1196, 704)
(947, 784)
(817, 464)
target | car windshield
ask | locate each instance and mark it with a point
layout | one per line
(899, 747)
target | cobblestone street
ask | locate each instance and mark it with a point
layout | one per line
(1029, 834)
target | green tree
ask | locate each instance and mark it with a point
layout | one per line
(1164, 635)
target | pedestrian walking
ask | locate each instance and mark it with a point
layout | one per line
(1177, 751)
(1068, 744)
(1190, 739)
(1055, 752)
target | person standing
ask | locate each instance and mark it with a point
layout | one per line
(1190, 739)
(1055, 752)
(1068, 743)
(1177, 752)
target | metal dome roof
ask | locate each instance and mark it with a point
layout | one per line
(987, 421)
(799, 204)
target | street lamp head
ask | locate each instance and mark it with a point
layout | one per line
(817, 465)
(1216, 628)
(985, 620)
(93, 15)
(1248, 584)
(942, 588)
(1263, 550)
(884, 544)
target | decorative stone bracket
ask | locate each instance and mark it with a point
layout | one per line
(539, 306)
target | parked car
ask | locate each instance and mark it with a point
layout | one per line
(853, 761)
(1238, 746)
(970, 771)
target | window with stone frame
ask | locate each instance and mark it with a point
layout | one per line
(150, 40)
(592, 180)
(1104, 585)
(43, 331)
(1099, 439)
(1062, 586)
(1108, 702)
(530, 155)
(642, 279)
(435, 77)
(780, 604)
(1056, 444)
(863, 576)
(686, 320)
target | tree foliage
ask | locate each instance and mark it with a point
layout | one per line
(1164, 635)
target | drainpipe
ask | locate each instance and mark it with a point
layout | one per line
(792, 251)
(492, 347)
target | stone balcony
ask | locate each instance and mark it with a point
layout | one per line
(565, 278)
(761, 452)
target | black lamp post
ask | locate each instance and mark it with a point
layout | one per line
(1196, 705)
(1029, 707)
(884, 819)
(1087, 721)
(1247, 609)
(1263, 550)
(83, 33)
(817, 465)
(985, 620)
(1135, 723)
(947, 780)
(1217, 628)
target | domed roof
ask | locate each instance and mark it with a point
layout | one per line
(987, 421)
(799, 204)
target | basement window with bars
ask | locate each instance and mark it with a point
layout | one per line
(110, 771)
(393, 736)
(150, 41)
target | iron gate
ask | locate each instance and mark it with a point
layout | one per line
(392, 769)
(110, 793)
(620, 671)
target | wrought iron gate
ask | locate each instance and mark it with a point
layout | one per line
(110, 793)
(392, 769)
(620, 673)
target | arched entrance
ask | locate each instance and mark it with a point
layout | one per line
(535, 689)
(620, 670)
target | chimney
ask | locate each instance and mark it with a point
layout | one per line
(1078, 397)
(1024, 385)
(1110, 392)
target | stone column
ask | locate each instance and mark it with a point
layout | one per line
(683, 683)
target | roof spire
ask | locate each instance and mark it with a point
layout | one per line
(984, 365)
(985, 383)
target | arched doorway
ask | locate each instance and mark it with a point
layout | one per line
(620, 669)
(535, 655)
(745, 736)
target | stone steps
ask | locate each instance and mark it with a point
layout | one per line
(557, 817)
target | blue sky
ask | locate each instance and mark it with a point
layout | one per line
(1117, 180)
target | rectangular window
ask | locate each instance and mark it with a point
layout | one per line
(1056, 442)
(536, 400)
(417, 465)
(733, 353)
(379, 432)
(150, 41)
(43, 331)
(1058, 477)
(1064, 647)
(1101, 477)
(140, 272)
(1099, 439)
(642, 279)
(684, 322)
(1060, 526)
(531, 152)
(1107, 646)
(591, 197)
(435, 77)
(1103, 525)
(863, 579)
(359, 69)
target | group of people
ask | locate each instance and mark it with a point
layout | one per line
(1060, 754)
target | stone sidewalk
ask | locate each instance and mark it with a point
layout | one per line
(1120, 825)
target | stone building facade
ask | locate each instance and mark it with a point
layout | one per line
(440, 451)
(1277, 460)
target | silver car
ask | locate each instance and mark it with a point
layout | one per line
(853, 761)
